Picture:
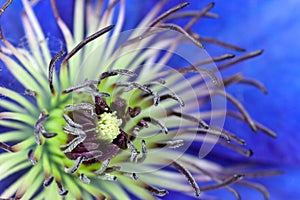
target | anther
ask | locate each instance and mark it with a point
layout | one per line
(51, 69)
(30, 92)
(47, 182)
(107, 177)
(75, 167)
(6, 147)
(38, 125)
(154, 190)
(84, 179)
(157, 123)
(103, 167)
(116, 72)
(31, 157)
(188, 175)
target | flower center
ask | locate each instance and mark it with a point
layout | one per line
(108, 126)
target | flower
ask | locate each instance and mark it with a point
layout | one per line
(112, 115)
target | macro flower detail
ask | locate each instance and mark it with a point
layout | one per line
(107, 116)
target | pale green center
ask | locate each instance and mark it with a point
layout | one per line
(108, 126)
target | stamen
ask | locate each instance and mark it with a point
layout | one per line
(209, 131)
(144, 152)
(70, 122)
(258, 125)
(79, 86)
(31, 157)
(73, 131)
(169, 144)
(232, 136)
(188, 175)
(133, 112)
(239, 79)
(81, 106)
(112, 169)
(181, 30)
(73, 144)
(194, 67)
(75, 167)
(116, 72)
(86, 41)
(134, 176)
(84, 179)
(213, 176)
(109, 9)
(132, 85)
(256, 186)
(240, 59)
(234, 192)
(103, 167)
(188, 117)
(48, 181)
(184, 14)
(61, 190)
(218, 42)
(167, 13)
(198, 16)
(263, 173)
(160, 82)
(31, 92)
(255, 83)
(174, 96)
(154, 190)
(46, 134)
(107, 177)
(239, 107)
(134, 152)
(232, 79)
(6, 147)
(3, 8)
(51, 69)
(156, 123)
(37, 127)
(233, 179)
(240, 150)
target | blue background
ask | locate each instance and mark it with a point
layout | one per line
(253, 24)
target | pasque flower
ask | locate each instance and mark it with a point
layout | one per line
(112, 112)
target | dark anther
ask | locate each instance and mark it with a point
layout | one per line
(30, 93)
(168, 13)
(114, 73)
(188, 175)
(121, 140)
(48, 181)
(61, 190)
(142, 123)
(6, 147)
(86, 41)
(51, 69)
(75, 167)
(133, 112)
(156, 123)
(31, 157)
(154, 190)
(38, 127)
(84, 179)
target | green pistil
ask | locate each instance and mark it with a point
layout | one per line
(108, 126)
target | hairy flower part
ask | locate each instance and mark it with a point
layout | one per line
(110, 116)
